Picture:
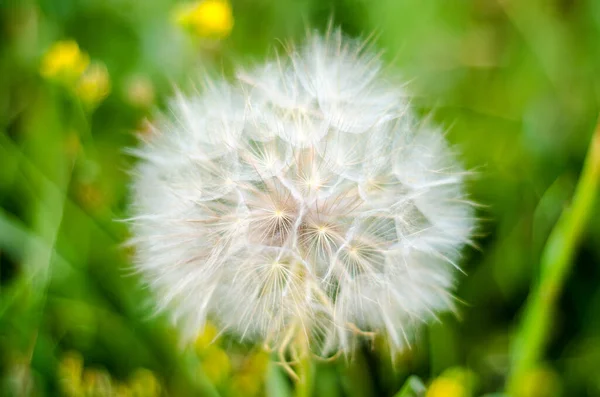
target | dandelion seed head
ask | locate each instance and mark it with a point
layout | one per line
(304, 197)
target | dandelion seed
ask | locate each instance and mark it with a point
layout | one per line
(304, 200)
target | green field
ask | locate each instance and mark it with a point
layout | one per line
(515, 83)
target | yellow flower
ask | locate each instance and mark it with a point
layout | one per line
(207, 18)
(70, 369)
(122, 390)
(258, 363)
(207, 337)
(94, 85)
(246, 385)
(216, 365)
(446, 387)
(64, 62)
(249, 380)
(143, 383)
(97, 383)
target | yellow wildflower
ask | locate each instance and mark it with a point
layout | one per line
(70, 369)
(94, 85)
(207, 18)
(246, 385)
(64, 62)
(97, 383)
(249, 380)
(122, 390)
(207, 337)
(216, 365)
(258, 363)
(143, 383)
(446, 387)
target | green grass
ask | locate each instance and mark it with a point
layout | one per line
(516, 85)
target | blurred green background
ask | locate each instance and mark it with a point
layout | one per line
(516, 83)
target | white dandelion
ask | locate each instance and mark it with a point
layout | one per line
(302, 199)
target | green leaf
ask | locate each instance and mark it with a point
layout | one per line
(413, 387)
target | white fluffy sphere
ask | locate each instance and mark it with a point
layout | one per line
(302, 198)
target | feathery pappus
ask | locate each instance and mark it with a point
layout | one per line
(303, 198)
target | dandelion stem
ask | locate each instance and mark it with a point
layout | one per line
(305, 369)
(555, 263)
